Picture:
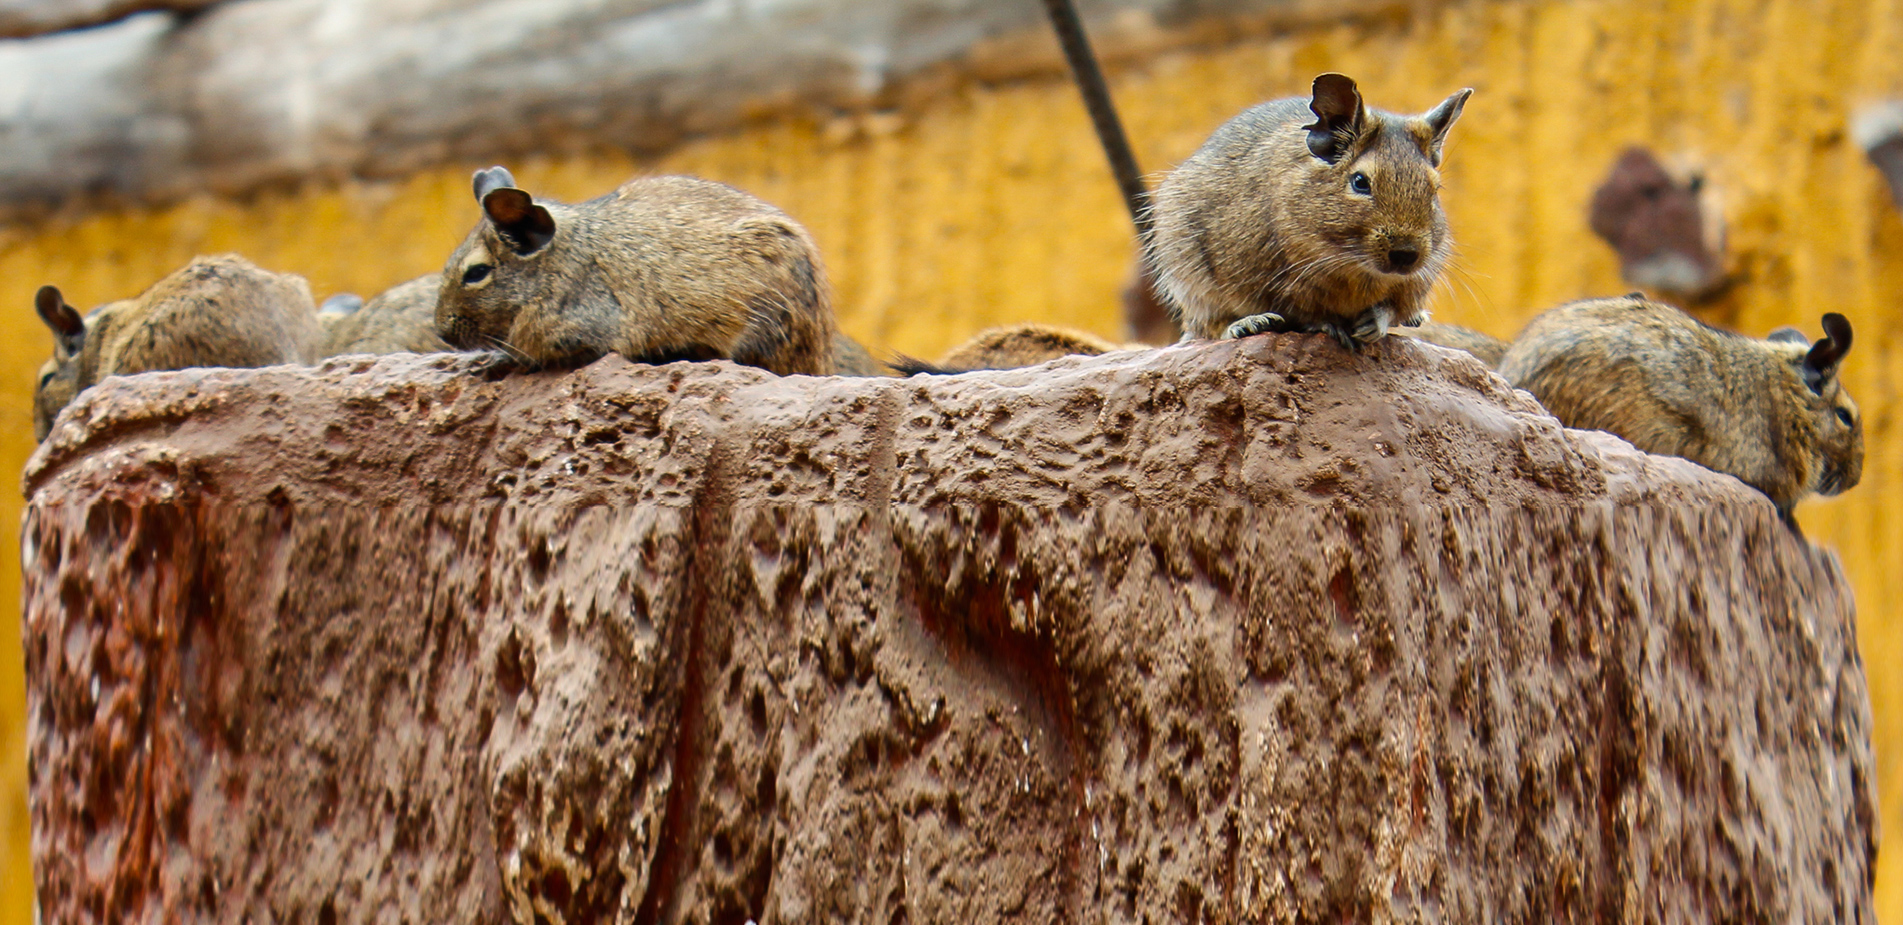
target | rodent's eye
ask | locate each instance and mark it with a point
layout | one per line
(1360, 184)
(48, 378)
(476, 273)
(1843, 417)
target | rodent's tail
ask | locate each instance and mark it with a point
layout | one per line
(912, 366)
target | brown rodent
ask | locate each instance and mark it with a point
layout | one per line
(401, 319)
(216, 311)
(664, 268)
(1485, 347)
(1771, 412)
(1010, 347)
(1314, 214)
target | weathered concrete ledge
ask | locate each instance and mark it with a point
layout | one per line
(1256, 631)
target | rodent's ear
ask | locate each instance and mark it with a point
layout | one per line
(61, 317)
(525, 226)
(1339, 117)
(1441, 118)
(1788, 336)
(1827, 354)
(487, 181)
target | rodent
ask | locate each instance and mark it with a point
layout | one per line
(216, 311)
(1772, 412)
(664, 268)
(1315, 214)
(1010, 347)
(401, 319)
(1485, 347)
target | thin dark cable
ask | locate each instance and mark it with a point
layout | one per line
(1103, 113)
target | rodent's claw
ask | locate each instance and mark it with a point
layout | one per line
(1256, 324)
(1373, 324)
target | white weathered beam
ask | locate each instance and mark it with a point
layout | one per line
(262, 91)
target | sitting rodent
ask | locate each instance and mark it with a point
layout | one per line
(664, 268)
(1485, 347)
(1306, 215)
(1772, 412)
(401, 319)
(1010, 347)
(217, 311)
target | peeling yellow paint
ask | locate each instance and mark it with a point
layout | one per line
(993, 205)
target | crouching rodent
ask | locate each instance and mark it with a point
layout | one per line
(1485, 347)
(401, 319)
(1010, 347)
(1771, 412)
(1306, 214)
(664, 268)
(217, 311)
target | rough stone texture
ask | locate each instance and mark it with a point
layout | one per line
(1253, 631)
(247, 95)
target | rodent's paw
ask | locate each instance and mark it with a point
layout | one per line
(1256, 324)
(1373, 324)
(1343, 335)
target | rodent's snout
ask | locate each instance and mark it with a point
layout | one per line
(1399, 254)
(459, 332)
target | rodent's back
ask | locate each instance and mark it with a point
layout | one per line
(401, 319)
(218, 311)
(1669, 384)
(1028, 344)
(1485, 347)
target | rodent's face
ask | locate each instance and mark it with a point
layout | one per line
(499, 269)
(1373, 181)
(1382, 205)
(58, 383)
(1839, 428)
(1831, 417)
(59, 377)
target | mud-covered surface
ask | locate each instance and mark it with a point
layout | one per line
(1256, 631)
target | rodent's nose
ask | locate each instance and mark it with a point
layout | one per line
(1402, 259)
(459, 332)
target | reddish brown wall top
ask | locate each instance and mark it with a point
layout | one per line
(1248, 631)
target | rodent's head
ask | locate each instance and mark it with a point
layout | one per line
(1370, 187)
(502, 266)
(1828, 429)
(59, 377)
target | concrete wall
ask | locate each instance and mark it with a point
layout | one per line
(979, 203)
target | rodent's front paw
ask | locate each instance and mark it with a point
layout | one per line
(1256, 324)
(1373, 324)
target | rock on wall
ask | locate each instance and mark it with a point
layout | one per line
(1253, 631)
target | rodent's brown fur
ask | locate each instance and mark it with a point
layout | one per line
(1028, 344)
(1010, 347)
(1266, 227)
(401, 319)
(664, 268)
(1485, 347)
(216, 311)
(1670, 384)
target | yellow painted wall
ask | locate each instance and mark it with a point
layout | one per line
(992, 204)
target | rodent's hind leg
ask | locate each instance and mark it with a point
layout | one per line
(1259, 323)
